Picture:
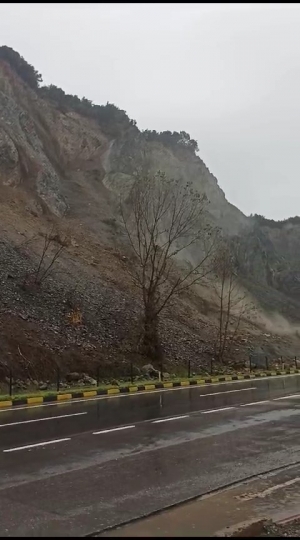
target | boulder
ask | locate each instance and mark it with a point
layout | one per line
(73, 377)
(21, 385)
(150, 371)
(89, 380)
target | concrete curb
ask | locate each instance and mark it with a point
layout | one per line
(58, 397)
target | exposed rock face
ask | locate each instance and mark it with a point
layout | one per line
(65, 165)
(124, 155)
(46, 150)
(23, 158)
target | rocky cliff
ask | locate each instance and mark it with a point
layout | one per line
(60, 165)
(49, 153)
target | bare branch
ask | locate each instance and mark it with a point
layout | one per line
(231, 302)
(162, 219)
(53, 245)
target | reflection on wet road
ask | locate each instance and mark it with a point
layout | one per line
(92, 414)
(75, 468)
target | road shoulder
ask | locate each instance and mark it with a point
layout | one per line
(272, 496)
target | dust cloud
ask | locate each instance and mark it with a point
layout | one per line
(275, 323)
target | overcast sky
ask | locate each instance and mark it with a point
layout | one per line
(229, 74)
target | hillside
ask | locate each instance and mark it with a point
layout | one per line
(64, 161)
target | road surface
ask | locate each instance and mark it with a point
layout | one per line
(272, 496)
(76, 468)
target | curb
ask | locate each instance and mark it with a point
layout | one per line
(58, 397)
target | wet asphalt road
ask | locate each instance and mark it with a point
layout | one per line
(173, 445)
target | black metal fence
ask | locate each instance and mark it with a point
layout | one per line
(252, 363)
(15, 380)
(60, 378)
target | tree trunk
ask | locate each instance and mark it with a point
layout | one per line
(151, 342)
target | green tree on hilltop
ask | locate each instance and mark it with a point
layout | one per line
(25, 70)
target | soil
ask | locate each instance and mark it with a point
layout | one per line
(88, 313)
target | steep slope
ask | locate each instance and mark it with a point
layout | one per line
(58, 165)
(59, 156)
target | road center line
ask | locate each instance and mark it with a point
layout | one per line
(35, 445)
(217, 410)
(229, 391)
(169, 419)
(255, 403)
(42, 419)
(287, 397)
(113, 429)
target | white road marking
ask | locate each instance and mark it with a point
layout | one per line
(35, 445)
(229, 391)
(42, 419)
(169, 419)
(287, 397)
(113, 429)
(217, 410)
(255, 403)
(117, 396)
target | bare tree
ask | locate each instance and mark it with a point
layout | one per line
(162, 219)
(232, 303)
(53, 246)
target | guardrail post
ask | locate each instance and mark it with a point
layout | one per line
(296, 364)
(57, 378)
(10, 383)
(267, 363)
(131, 372)
(98, 375)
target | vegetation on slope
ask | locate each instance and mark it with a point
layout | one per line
(265, 222)
(113, 120)
(25, 70)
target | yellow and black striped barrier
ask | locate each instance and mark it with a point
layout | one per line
(60, 396)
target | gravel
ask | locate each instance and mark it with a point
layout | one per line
(291, 529)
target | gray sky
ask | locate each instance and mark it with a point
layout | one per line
(229, 74)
